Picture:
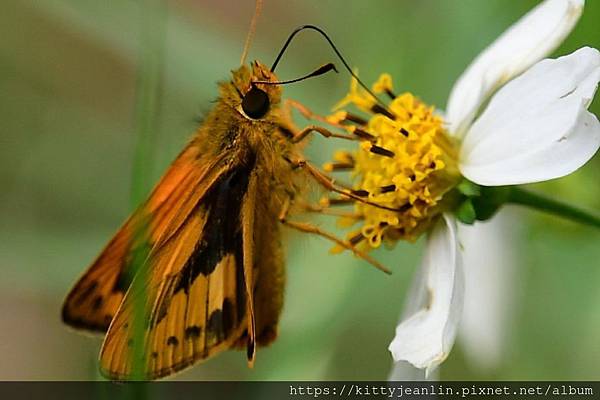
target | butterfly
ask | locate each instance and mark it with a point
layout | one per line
(212, 273)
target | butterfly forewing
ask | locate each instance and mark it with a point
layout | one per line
(95, 298)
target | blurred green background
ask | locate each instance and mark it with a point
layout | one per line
(67, 137)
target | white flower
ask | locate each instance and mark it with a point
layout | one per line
(536, 127)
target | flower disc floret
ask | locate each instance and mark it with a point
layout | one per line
(404, 167)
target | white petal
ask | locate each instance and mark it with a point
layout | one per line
(424, 338)
(529, 40)
(403, 371)
(537, 127)
(490, 264)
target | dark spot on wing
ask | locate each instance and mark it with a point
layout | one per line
(128, 270)
(221, 322)
(214, 327)
(97, 303)
(192, 332)
(172, 341)
(87, 292)
(123, 281)
(228, 317)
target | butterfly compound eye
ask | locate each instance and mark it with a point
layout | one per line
(255, 103)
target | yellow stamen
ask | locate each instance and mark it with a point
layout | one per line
(337, 117)
(357, 96)
(409, 164)
(383, 84)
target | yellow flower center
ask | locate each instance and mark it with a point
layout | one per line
(405, 164)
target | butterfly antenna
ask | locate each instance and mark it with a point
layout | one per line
(337, 52)
(318, 72)
(250, 36)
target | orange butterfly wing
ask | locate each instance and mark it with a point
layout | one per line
(95, 298)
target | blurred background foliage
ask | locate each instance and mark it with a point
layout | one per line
(67, 100)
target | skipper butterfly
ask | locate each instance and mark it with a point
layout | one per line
(213, 275)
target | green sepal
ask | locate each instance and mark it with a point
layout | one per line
(473, 202)
(468, 188)
(465, 212)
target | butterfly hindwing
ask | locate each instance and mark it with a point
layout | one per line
(196, 296)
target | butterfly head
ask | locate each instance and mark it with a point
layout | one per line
(252, 92)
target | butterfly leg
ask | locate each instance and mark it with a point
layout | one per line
(325, 209)
(303, 134)
(300, 135)
(310, 228)
(342, 119)
(289, 105)
(329, 184)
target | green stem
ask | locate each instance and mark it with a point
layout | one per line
(524, 197)
(148, 85)
(152, 38)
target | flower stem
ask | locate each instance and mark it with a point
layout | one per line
(524, 197)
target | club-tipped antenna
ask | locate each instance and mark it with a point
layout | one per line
(319, 71)
(250, 36)
(319, 30)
